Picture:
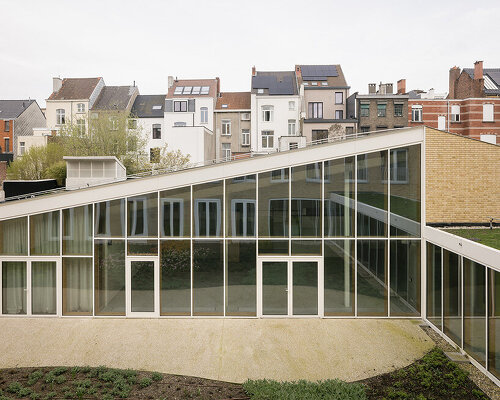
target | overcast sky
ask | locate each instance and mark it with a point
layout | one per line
(146, 40)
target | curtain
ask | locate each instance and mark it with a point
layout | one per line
(77, 231)
(13, 287)
(43, 283)
(77, 289)
(44, 231)
(14, 236)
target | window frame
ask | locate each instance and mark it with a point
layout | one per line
(416, 111)
(180, 104)
(197, 202)
(364, 110)
(225, 156)
(339, 114)
(267, 113)
(60, 116)
(292, 123)
(398, 109)
(315, 110)
(204, 115)
(490, 113)
(245, 133)
(225, 127)
(381, 110)
(341, 97)
(156, 131)
(80, 107)
(267, 135)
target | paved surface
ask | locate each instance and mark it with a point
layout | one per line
(224, 349)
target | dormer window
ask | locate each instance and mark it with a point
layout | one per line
(80, 107)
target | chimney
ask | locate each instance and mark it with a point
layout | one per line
(298, 72)
(218, 85)
(389, 88)
(372, 88)
(402, 86)
(454, 74)
(381, 89)
(56, 84)
(253, 71)
(478, 70)
(170, 81)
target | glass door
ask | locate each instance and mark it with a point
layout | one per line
(275, 297)
(142, 286)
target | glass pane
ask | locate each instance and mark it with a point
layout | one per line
(494, 322)
(77, 286)
(405, 191)
(143, 215)
(339, 197)
(372, 277)
(207, 211)
(273, 203)
(273, 247)
(175, 208)
(110, 218)
(306, 200)
(43, 287)
(452, 294)
(109, 261)
(208, 278)
(372, 194)
(14, 236)
(306, 247)
(142, 247)
(44, 234)
(405, 278)
(274, 288)
(305, 287)
(14, 287)
(339, 277)
(142, 276)
(175, 261)
(475, 310)
(77, 230)
(240, 206)
(241, 278)
(434, 308)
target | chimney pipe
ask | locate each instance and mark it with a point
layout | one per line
(454, 74)
(170, 81)
(478, 70)
(253, 71)
(402, 86)
(56, 84)
(372, 88)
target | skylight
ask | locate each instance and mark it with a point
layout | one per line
(205, 89)
(178, 90)
(224, 106)
(196, 90)
(156, 107)
(187, 90)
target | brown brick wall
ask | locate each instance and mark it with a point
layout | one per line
(462, 179)
(6, 134)
(466, 87)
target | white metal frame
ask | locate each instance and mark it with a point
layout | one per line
(128, 287)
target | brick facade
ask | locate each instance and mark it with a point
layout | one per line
(6, 132)
(373, 122)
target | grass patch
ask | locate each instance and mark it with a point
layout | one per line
(486, 236)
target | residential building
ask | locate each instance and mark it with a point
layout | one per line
(232, 124)
(17, 120)
(189, 117)
(147, 115)
(114, 99)
(275, 105)
(474, 82)
(381, 109)
(324, 106)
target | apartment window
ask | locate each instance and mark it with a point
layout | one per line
(291, 127)
(339, 114)
(154, 155)
(132, 124)
(245, 137)
(319, 134)
(60, 116)
(245, 117)
(226, 127)
(80, 124)
(416, 113)
(80, 107)
(398, 110)
(267, 139)
(7, 145)
(204, 115)
(315, 110)
(364, 110)
(226, 151)
(267, 113)
(488, 113)
(6, 126)
(22, 147)
(339, 98)
(455, 113)
(156, 131)
(381, 110)
(291, 105)
(180, 106)
(365, 129)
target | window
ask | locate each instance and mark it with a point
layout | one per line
(365, 129)
(319, 134)
(132, 124)
(267, 139)
(455, 113)
(179, 123)
(381, 110)
(291, 105)
(488, 113)
(245, 117)
(180, 106)
(339, 98)
(204, 115)
(178, 90)
(6, 126)
(399, 166)
(364, 110)
(7, 145)
(293, 145)
(260, 91)
(314, 83)
(156, 107)
(291, 127)
(154, 155)
(416, 113)
(245, 137)
(313, 172)
(315, 110)
(60, 116)
(113, 122)
(267, 113)
(196, 90)
(362, 168)
(339, 114)
(398, 110)
(226, 127)
(207, 216)
(324, 83)
(143, 215)
(349, 130)
(187, 90)
(22, 147)
(80, 107)
(205, 89)
(156, 131)
(226, 151)
(80, 124)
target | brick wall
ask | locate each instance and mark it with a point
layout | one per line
(6, 134)
(389, 121)
(462, 179)
(465, 87)
(3, 172)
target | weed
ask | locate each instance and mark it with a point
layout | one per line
(34, 377)
(50, 395)
(156, 376)
(34, 396)
(145, 382)
(24, 392)
(14, 387)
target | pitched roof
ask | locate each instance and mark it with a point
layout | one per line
(75, 89)
(491, 79)
(233, 101)
(332, 73)
(192, 83)
(114, 98)
(11, 109)
(275, 82)
(149, 106)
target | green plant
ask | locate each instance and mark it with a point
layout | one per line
(50, 395)
(145, 382)
(34, 396)
(14, 387)
(34, 377)
(24, 392)
(156, 376)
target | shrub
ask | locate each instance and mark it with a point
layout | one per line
(14, 387)
(145, 382)
(156, 376)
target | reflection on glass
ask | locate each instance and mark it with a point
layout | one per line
(43, 287)
(452, 285)
(240, 206)
(175, 291)
(372, 194)
(274, 288)
(142, 247)
(14, 287)
(14, 236)
(305, 287)
(143, 215)
(207, 210)
(306, 247)
(142, 286)
(175, 208)
(208, 278)
(241, 278)
(306, 200)
(273, 247)
(339, 197)
(434, 309)
(44, 234)
(274, 199)
(475, 310)
(494, 322)
(339, 277)
(77, 230)
(372, 277)
(405, 278)
(77, 286)
(110, 218)
(109, 263)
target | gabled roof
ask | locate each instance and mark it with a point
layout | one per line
(212, 85)
(233, 101)
(149, 106)
(11, 109)
(332, 73)
(75, 89)
(275, 82)
(114, 98)
(491, 79)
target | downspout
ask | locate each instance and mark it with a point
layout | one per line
(448, 114)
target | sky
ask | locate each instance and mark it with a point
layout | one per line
(146, 41)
